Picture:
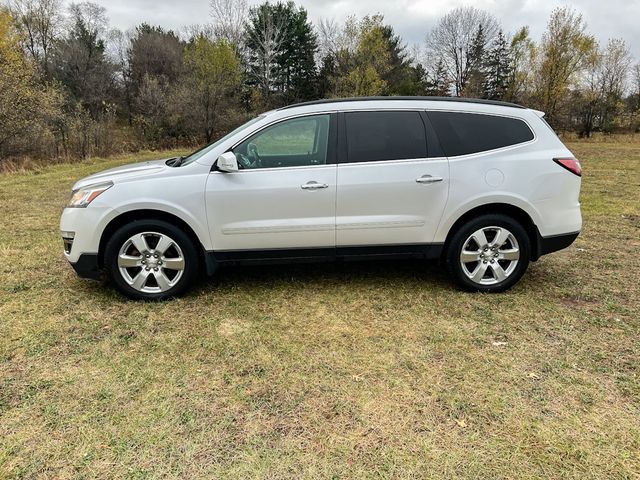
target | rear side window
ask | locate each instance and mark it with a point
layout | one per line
(375, 136)
(465, 133)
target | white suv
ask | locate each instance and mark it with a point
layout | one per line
(484, 186)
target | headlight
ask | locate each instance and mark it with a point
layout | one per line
(84, 196)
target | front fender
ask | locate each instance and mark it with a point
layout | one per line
(189, 216)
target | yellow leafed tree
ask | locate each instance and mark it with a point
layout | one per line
(25, 106)
(371, 61)
(215, 76)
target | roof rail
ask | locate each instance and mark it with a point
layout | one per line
(432, 99)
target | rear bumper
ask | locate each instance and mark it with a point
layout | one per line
(554, 243)
(87, 266)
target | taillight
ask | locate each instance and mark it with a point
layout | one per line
(570, 164)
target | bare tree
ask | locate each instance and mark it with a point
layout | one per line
(328, 35)
(616, 62)
(228, 19)
(635, 73)
(587, 97)
(612, 79)
(195, 30)
(451, 41)
(599, 96)
(334, 38)
(118, 46)
(92, 16)
(265, 39)
(40, 21)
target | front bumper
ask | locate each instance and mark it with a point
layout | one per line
(81, 229)
(87, 266)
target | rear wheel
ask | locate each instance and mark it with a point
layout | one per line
(489, 253)
(151, 260)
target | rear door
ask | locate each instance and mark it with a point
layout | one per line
(392, 179)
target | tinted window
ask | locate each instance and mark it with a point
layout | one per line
(373, 136)
(464, 133)
(291, 143)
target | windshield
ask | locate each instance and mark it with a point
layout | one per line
(207, 148)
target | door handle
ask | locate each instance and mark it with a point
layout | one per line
(428, 179)
(313, 185)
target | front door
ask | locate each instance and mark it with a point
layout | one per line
(283, 196)
(390, 190)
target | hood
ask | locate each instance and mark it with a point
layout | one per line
(124, 172)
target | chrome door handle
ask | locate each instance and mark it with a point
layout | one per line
(428, 179)
(313, 185)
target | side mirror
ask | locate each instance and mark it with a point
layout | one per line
(227, 162)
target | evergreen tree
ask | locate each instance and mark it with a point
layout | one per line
(155, 52)
(414, 82)
(400, 73)
(499, 66)
(440, 83)
(326, 75)
(476, 71)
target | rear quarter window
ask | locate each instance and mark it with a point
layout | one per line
(465, 133)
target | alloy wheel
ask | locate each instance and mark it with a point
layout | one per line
(490, 255)
(151, 262)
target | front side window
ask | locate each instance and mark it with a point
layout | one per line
(291, 143)
(466, 133)
(385, 135)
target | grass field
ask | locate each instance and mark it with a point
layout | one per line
(361, 370)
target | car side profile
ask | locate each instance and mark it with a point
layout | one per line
(484, 186)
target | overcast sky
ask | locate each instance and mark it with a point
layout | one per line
(412, 19)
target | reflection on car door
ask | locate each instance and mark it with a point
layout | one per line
(390, 190)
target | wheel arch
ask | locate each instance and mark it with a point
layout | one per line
(510, 210)
(152, 214)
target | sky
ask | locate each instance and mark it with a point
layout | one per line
(412, 19)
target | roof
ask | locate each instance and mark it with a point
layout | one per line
(430, 99)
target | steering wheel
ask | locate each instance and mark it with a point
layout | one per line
(254, 156)
(243, 161)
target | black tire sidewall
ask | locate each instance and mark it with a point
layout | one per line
(455, 244)
(121, 235)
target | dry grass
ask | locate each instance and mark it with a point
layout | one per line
(362, 370)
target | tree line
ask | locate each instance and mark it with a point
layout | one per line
(71, 86)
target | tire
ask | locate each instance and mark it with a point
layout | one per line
(151, 260)
(489, 253)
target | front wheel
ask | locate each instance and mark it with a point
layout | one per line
(488, 254)
(151, 260)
